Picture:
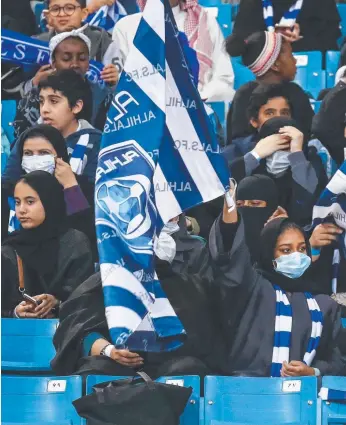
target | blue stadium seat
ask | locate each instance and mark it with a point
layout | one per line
(242, 74)
(222, 12)
(332, 412)
(316, 105)
(310, 75)
(26, 345)
(342, 13)
(29, 400)
(343, 321)
(8, 113)
(191, 413)
(39, 7)
(260, 401)
(332, 63)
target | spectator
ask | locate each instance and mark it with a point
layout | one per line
(281, 155)
(68, 51)
(43, 148)
(55, 259)
(317, 26)
(329, 124)
(67, 15)
(257, 200)
(267, 101)
(64, 100)
(270, 58)
(250, 301)
(216, 75)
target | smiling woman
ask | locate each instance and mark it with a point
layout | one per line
(50, 272)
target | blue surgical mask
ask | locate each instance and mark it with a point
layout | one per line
(293, 265)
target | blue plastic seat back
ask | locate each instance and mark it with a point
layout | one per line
(220, 110)
(310, 75)
(8, 113)
(332, 63)
(242, 74)
(29, 400)
(260, 401)
(191, 413)
(333, 412)
(343, 322)
(222, 12)
(342, 13)
(35, 339)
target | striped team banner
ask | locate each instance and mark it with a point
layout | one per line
(159, 157)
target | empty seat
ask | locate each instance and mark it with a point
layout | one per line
(222, 12)
(220, 110)
(311, 81)
(260, 401)
(29, 400)
(342, 13)
(27, 345)
(332, 411)
(242, 74)
(343, 321)
(191, 413)
(332, 63)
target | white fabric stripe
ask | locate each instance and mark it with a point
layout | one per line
(283, 324)
(161, 308)
(311, 304)
(281, 354)
(309, 357)
(268, 12)
(146, 325)
(118, 276)
(323, 394)
(152, 85)
(322, 212)
(338, 183)
(75, 162)
(166, 203)
(154, 14)
(122, 317)
(196, 161)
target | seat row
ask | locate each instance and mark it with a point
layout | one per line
(227, 400)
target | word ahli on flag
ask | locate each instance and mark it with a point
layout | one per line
(159, 156)
(30, 52)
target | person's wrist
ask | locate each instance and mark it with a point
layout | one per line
(70, 183)
(256, 154)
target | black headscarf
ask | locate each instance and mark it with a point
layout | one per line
(261, 188)
(51, 134)
(269, 237)
(273, 125)
(38, 247)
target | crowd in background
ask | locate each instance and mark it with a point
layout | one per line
(222, 268)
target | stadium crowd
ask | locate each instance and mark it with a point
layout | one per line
(221, 268)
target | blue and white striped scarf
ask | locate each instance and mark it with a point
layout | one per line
(78, 160)
(289, 18)
(328, 394)
(107, 16)
(283, 329)
(332, 206)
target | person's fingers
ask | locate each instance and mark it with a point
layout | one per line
(128, 354)
(44, 68)
(295, 363)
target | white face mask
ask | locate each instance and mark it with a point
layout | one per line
(164, 246)
(278, 162)
(38, 162)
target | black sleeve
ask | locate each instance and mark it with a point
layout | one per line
(319, 25)
(249, 18)
(10, 296)
(302, 109)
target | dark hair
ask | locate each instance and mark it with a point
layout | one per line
(73, 86)
(248, 49)
(265, 92)
(81, 2)
(51, 134)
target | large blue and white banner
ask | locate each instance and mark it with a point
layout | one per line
(29, 52)
(159, 156)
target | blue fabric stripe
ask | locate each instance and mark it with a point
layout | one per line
(120, 297)
(283, 338)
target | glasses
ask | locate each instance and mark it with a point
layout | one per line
(69, 9)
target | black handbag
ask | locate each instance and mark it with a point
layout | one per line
(133, 401)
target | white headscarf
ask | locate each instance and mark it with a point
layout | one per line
(57, 39)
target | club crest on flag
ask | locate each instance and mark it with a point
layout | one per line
(122, 195)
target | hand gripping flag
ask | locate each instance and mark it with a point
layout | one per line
(159, 156)
(331, 207)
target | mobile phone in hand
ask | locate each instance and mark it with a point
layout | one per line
(30, 300)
